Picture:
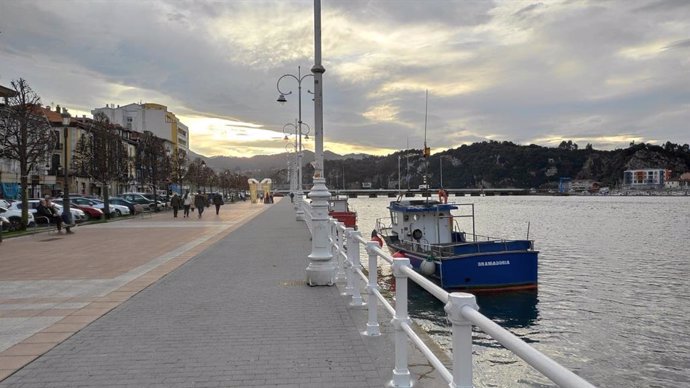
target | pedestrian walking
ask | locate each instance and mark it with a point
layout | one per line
(218, 201)
(175, 203)
(292, 197)
(200, 202)
(186, 204)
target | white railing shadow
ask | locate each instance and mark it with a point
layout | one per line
(460, 307)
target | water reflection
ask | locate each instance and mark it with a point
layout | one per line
(518, 309)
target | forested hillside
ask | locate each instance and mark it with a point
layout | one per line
(505, 164)
(488, 164)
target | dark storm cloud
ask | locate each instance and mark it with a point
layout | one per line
(518, 71)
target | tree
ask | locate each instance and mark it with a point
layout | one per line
(178, 167)
(101, 155)
(25, 135)
(152, 162)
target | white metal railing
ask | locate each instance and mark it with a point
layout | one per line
(460, 307)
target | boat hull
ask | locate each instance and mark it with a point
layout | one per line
(347, 218)
(490, 271)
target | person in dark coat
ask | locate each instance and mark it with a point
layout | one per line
(200, 202)
(218, 201)
(43, 210)
(175, 203)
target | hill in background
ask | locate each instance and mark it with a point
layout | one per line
(485, 164)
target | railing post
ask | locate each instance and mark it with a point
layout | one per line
(401, 374)
(462, 338)
(353, 257)
(347, 264)
(339, 235)
(373, 323)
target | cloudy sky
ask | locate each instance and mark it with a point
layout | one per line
(604, 72)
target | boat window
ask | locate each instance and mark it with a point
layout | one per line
(394, 218)
(416, 217)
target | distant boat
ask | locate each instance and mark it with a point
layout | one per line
(339, 209)
(425, 232)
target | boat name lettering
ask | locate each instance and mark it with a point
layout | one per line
(493, 263)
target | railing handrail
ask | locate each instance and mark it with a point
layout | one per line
(461, 308)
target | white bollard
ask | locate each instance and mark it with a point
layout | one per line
(373, 323)
(401, 374)
(353, 255)
(462, 338)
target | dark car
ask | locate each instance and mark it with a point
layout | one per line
(137, 198)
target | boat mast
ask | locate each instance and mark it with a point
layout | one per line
(427, 150)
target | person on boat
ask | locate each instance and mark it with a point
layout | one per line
(375, 237)
(442, 196)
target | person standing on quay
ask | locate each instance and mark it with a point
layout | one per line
(186, 203)
(175, 202)
(218, 201)
(200, 202)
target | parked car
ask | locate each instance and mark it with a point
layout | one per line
(91, 212)
(134, 208)
(140, 199)
(77, 214)
(115, 209)
(14, 215)
(159, 200)
(4, 203)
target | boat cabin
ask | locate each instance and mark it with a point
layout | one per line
(422, 222)
(338, 203)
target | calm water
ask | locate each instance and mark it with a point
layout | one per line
(613, 302)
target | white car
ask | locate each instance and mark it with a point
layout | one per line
(4, 203)
(77, 214)
(115, 210)
(14, 216)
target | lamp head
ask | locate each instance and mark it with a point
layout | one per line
(66, 119)
(281, 99)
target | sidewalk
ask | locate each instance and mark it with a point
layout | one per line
(237, 314)
(53, 285)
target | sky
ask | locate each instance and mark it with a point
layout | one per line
(603, 72)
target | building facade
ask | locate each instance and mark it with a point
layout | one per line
(646, 179)
(149, 117)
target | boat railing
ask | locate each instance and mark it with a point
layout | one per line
(460, 307)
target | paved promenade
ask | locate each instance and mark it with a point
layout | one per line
(163, 302)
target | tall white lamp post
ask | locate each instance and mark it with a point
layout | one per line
(321, 269)
(281, 99)
(300, 131)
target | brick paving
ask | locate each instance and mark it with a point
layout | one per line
(234, 313)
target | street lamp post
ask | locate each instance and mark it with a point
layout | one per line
(298, 130)
(321, 269)
(66, 206)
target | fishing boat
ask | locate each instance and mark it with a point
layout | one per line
(427, 232)
(339, 209)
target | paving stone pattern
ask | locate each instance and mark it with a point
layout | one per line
(236, 315)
